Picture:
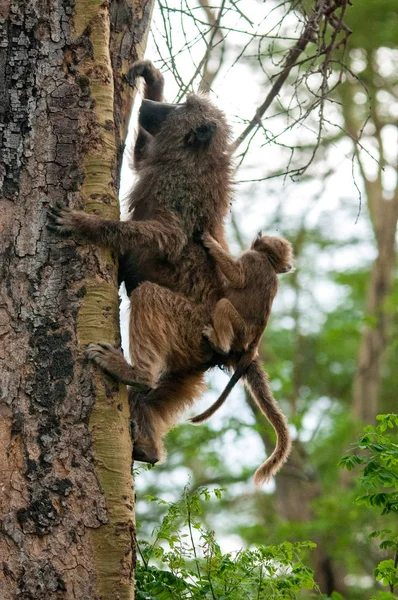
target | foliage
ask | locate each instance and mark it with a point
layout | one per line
(378, 459)
(185, 561)
(378, 20)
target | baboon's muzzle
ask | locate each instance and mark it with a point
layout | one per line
(152, 114)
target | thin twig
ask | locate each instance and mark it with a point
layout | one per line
(312, 26)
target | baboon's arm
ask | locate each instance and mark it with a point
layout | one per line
(230, 267)
(164, 235)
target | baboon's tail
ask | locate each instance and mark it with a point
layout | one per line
(257, 381)
(240, 370)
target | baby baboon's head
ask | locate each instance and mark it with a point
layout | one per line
(278, 250)
(194, 129)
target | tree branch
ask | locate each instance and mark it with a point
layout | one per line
(324, 9)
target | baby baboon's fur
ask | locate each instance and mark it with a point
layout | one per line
(239, 321)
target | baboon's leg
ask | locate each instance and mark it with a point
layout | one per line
(227, 324)
(231, 268)
(165, 335)
(166, 341)
(112, 361)
(165, 331)
(157, 411)
(147, 429)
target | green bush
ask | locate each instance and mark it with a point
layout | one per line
(378, 460)
(185, 561)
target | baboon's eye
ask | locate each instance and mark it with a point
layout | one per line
(202, 135)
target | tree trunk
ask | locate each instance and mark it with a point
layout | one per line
(375, 336)
(383, 213)
(66, 500)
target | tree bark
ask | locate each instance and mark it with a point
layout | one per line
(66, 500)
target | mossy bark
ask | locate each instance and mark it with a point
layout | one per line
(67, 501)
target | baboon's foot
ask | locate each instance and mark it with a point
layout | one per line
(112, 361)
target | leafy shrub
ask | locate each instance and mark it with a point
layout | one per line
(186, 562)
(378, 460)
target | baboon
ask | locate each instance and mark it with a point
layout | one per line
(240, 318)
(182, 192)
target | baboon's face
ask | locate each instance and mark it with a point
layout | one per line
(278, 250)
(153, 114)
(195, 127)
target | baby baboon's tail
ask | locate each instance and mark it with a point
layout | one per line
(241, 368)
(257, 381)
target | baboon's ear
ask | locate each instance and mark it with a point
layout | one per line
(202, 135)
(257, 240)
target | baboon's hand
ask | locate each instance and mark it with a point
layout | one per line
(209, 241)
(137, 70)
(63, 220)
(142, 68)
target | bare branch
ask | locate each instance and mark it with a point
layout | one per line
(324, 10)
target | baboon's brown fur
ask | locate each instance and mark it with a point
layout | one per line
(239, 321)
(240, 318)
(183, 191)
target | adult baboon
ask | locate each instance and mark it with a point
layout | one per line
(183, 190)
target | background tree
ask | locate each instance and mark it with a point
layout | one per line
(67, 520)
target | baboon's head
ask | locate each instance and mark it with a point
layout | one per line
(195, 128)
(278, 250)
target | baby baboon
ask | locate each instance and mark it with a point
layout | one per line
(239, 321)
